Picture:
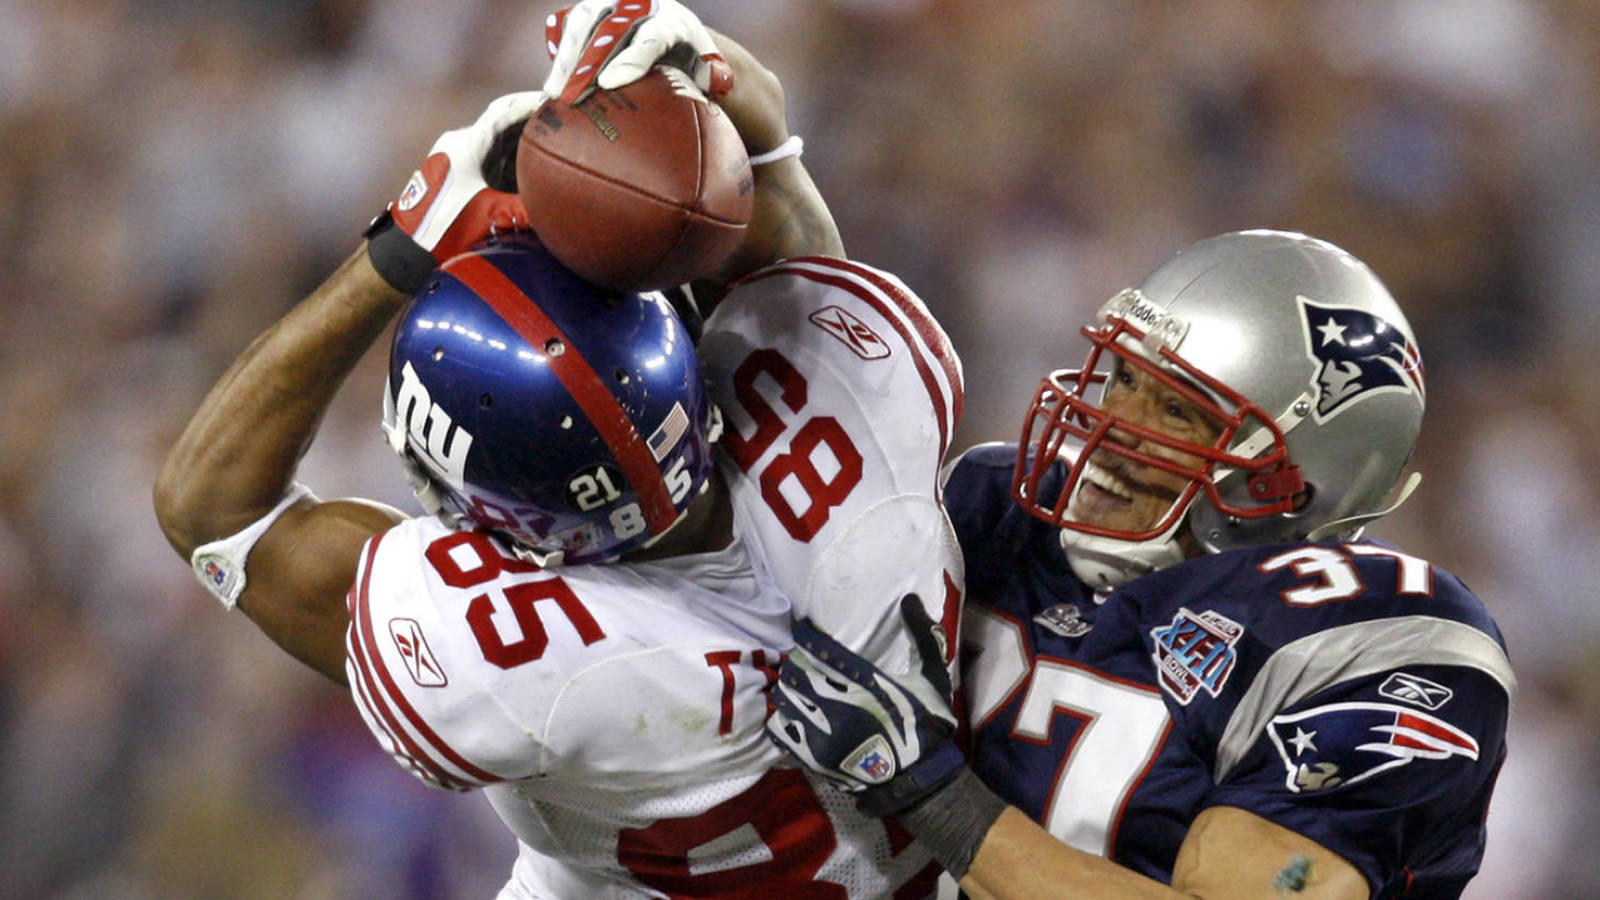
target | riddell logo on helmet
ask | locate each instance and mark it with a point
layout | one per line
(442, 444)
(1145, 312)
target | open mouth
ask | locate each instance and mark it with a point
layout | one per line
(1107, 487)
(1101, 492)
(1105, 492)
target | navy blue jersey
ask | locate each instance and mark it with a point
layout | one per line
(1348, 692)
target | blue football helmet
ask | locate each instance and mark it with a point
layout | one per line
(571, 419)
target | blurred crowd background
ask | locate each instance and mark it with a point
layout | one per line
(174, 174)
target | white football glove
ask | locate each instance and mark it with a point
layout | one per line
(610, 43)
(447, 206)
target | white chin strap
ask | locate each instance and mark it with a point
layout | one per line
(1104, 563)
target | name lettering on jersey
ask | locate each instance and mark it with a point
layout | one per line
(1358, 356)
(419, 659)
(1195, 653)
(440, 443)
(850, 331)
(1064, 619)
(1416, 690)
(1347, 743)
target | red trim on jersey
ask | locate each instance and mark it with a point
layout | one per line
(370, 661)
(880, 294)
(367, 686)
(374, 719)
(928, 328)
(581, 381)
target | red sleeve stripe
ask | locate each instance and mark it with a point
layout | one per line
(380, 729)
(386, 694)
(935, 359)
(376, 713)
(581, 381)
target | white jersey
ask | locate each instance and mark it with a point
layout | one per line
(614, 713)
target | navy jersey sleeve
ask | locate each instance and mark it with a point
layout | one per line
(977, 495)
(1350, 693)
(992, 530)
(1392, 771)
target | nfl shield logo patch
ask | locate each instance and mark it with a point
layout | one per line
(1195, 653)
(416, 188)
(872, 761)
(876, 767)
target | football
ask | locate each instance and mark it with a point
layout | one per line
(640, 188)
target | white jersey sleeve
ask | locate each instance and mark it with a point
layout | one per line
(473, 667)
(841, 393)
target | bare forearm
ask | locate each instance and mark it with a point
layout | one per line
(790, 217)
(238, 453)
(1018, 859)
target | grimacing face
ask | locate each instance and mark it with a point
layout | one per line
(1121, 494)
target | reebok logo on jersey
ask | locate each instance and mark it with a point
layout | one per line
(1346, 743)
(1195, 653)
(419, 659)
(850, 331)
(1416, 690)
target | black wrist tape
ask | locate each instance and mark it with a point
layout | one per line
(908, 788)
(952, 822)
(396, 257)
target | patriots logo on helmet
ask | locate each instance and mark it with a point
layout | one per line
(1358, 355)
(1346, 743)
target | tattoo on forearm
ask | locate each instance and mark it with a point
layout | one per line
(1294, 877)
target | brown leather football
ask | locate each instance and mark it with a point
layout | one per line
(639, 188)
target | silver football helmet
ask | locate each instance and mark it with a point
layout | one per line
(1296, 352)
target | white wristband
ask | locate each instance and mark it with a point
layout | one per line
(794, 146)
(220, 564)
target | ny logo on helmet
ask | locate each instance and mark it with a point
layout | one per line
(1358, 355)
(442, 445)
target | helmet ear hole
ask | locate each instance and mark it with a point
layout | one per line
(486, 401)
(1304, 498)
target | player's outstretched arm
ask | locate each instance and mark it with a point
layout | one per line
(236, 459)
(889, 741)
(790, 218)
(226, 496)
